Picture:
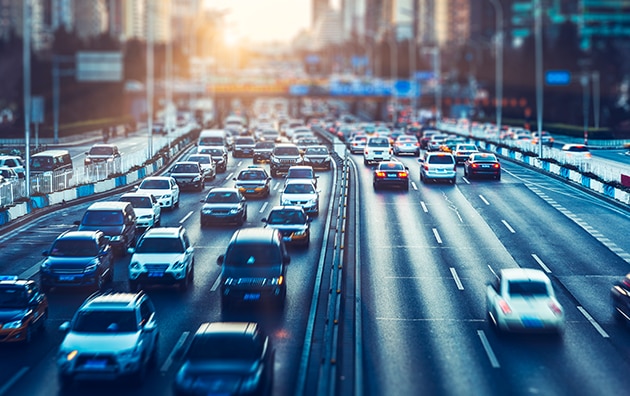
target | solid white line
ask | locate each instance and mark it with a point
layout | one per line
(424, 207)
(170, 358)
(262, 209)
(486, 345)
(7, 385)
(216, 284)
(186, 217)
(31, 271)
(596, 325)
(437, 235)
(540, 262)
(505, 223)
(484, 199)
(458, 282)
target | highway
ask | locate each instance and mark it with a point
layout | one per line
(423, 258)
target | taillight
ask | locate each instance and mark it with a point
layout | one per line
(474, 165)
(505, 307)
(496, 166)
(402, 174)
(555, 308)
(380, 174)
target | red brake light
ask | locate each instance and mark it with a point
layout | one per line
(497, 166)
(474, 165)
(402, 174)
(555, 308)
(505, 307)
(380, 174)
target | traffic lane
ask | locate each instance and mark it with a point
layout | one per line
(447, 219)
(549, 240)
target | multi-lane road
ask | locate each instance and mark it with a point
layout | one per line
(422, 260)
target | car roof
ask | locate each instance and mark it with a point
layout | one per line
(511, 274)
(223, 189)
(14, 280)
(298, 181)
(79, 234)
(256, 235)
(108, 205)
(112, 300)
(233, 328)
(287, 208)
(162, 231)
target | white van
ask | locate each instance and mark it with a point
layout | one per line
(212, 138)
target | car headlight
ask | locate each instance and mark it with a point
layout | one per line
(45, 267)
(134, 265)
(197, 178)
(179, 265)
(275, 160)
(145, 217)
(234, 211)
(91, 267)
(16, 324)
(285, 201)
(299, 232)
(88, 160)
(228, 281)
(206, 211)
(276, 281)
(166, 196)
(68, 355)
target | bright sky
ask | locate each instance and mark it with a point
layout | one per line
(265, 20)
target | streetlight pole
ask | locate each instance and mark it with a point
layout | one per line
(393, 64)
(26, 64)
(149, 82)
(539, 70)
(498, 11)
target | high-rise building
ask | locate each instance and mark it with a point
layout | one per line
(90, 18)
(320, 7)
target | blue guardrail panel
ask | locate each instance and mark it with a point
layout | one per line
(85, 190)
(121, 181)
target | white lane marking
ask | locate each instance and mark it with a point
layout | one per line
(239, 163)
(596, 325)
(216, 284)
(186, 217)
(262, 209)
(505, 223)
(458, 282)
(540, 262)
(466, 180)
(424, 207)
(229, 176)
(493, 273)
(171, 356)
(414, 186)
(7, 385)
(437, 235)
(484, 200)
(486, 345)
(31, 271)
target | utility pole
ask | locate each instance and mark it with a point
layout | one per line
(26, 69)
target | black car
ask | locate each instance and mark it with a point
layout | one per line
(620, 294)
(23, 309)
(253, 181)
(391, 173)
(188, 175)
(262, 151)
(243, 146)
(292, 222)
(318, 157)
(223, 205)
(482, 164)
(78, 259)
(227, 358)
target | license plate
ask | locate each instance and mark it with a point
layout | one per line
(95, 364)
(531, 322)
(66, 277)
(391, 175)
(155, 274)
(378, 152)
(249, 191)
(485, 166)
(251, 296)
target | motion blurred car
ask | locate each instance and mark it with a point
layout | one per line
(547, 139)
(435, 142)
(243, 146)
(438, 166)
(253, 181)
(377, 148)
(292, 222)
(391, 173)
(357, 144)
(164, 256)
(523, 300)
(482, 164)
(223, 205)
(318, 157)
(103, 153)
(14, 162)
(23, 309)
(234, 358)
(407, 144)
(463, 150)
(620, 294)
(163, 188)
(576, 152)
(301, 172)
(78, 259)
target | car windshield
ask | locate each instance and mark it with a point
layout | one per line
(251, 175)
(224, 347)
(244, 141)
(102, 218)
(97, 321)
(185, 168)
(101, 150)
(252, 255)
(467, 147)
(12, 297)
(211, 141)
(484, 158)
(212, 151)
(160, 245)
(74, 248)
(222, 197)
(317, 151)
(138, 202)
(527, 288)
(440, 159)
(261, 145)
(41, 163)
(202, 159)
(378, 143)
(155, 184)
(305, 188)
(391, 166)
(300, 174)
(286, 217)
(286, 151)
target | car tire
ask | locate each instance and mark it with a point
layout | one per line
(225, 305)
(375, 186)
(184, 283)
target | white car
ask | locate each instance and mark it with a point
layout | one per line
(577, 152)
(164, 256)
(148, 210)
(523, 300)
(207, 164)
(377, 148)
(302, 193)
(110, 336)
(463, 150)
(163, 188)
(14, 162)
(438, 166)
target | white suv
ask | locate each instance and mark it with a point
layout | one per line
(162, 255)
(377, 148)
(110, 336)
(438, 166)
(148, 210)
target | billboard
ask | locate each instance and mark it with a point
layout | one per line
(99, 66)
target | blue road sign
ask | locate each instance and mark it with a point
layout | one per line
(557, 77)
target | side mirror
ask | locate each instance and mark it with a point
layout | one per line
(131, 250)
(234, 178)
(76, 222)
(264, 219)
(202, 200)
(45, 253)
(421, 160)
(221, 259)
(64, 327)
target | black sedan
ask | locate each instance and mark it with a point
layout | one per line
(227, 359)
(391, 173)
(223, 205)
(620, 294)
(482, 164)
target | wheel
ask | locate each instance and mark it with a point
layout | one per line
(176, 204)
(100, 283)
(201, 186)
(365, 162)
(240, 221)
(184, 283)
(308, 242)
(465, 172)
(154, 354)
(274, 173)
(158, 222)
(28, 337)
(225, 304)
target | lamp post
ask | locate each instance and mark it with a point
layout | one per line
(539, 70)
(149, 81)
(393, 64)
(26, 65)
(498, 11)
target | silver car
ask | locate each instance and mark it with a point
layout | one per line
(438, 166)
